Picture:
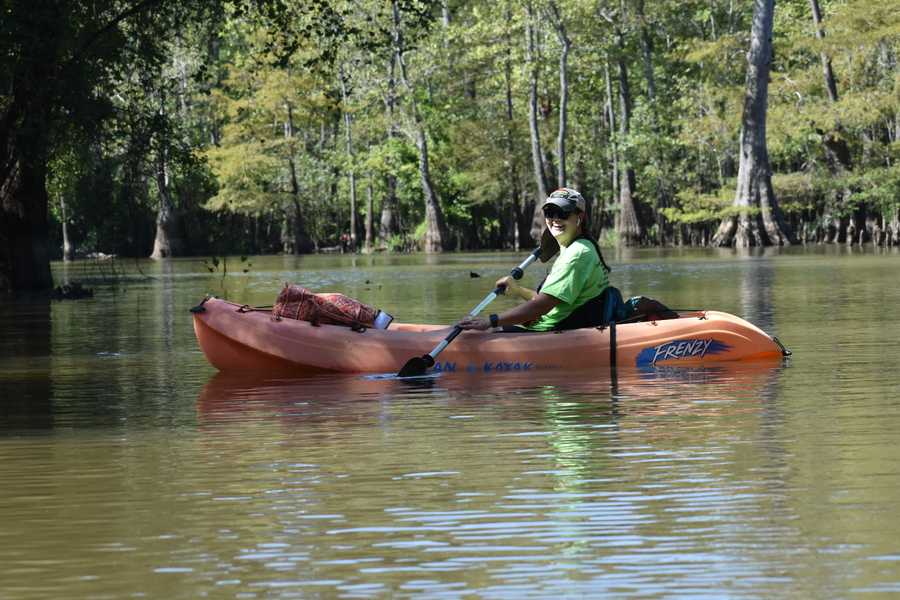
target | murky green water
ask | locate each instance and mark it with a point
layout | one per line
(128, 468)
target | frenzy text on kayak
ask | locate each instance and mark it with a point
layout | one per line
(680, 349)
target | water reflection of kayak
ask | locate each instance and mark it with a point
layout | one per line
(720, 387)
(238, 340)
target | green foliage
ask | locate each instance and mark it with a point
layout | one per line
(402, 242)
(878, 187)
(246, 105)
(799, 191)
(695, 207)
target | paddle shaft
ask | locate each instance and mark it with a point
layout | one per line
(516, 273)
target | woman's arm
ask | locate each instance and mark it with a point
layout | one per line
(539, 305)
(513, 288)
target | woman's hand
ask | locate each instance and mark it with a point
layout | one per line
(476, 323)
(508, 284)
(514, 290)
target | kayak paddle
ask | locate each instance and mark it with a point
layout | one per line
(418, 365)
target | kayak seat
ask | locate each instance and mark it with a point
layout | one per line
(609, 307)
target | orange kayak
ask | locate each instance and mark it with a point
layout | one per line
(234, 338)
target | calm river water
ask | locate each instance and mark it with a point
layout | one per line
(129, 468)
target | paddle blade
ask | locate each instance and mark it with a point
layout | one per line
(549, 246)
(417, 366)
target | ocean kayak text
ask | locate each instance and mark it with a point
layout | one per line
(487, 367)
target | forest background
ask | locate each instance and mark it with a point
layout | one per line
(264, 126)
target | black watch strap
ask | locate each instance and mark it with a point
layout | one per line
(495, 320)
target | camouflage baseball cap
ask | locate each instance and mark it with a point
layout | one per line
(567, 199)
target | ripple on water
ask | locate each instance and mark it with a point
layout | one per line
(122, 447)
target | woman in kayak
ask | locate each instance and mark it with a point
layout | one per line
(572, 295)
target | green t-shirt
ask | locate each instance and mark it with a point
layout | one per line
(576, 277)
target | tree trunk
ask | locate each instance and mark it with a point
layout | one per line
(629, 229)
(874, 229)
(435, 227)
(168, 241)
(67, 250)
(301, 241)
(613, 146)
(892, 230)
(837, 151)
(565, 46)
(754, 185)
(517, 229)
(830, 83)
(662, 191)
(287, 239)
(389, 223)
(23, 162)
(647, 59)
(540, 176)
(24, 244)
(896, 127)
(370, 207)
(351, 172)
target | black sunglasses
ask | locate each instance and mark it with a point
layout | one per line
(555, 212)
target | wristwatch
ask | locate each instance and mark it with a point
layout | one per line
(495, 320)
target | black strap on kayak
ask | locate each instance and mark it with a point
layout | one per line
(247, 308)
(613, 372)
(612, 346)
(200, 308)
(784, 351)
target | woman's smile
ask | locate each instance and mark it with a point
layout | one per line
(557, 226)
(563, 229)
